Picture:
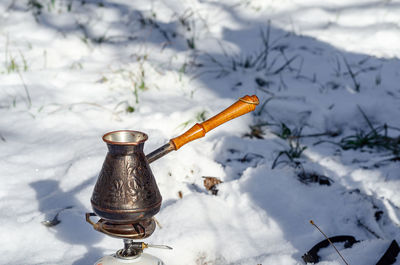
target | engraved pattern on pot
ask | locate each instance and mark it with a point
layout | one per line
(105, 177)
(126, 189)
(134, 185)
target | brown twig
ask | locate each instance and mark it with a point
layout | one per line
(330, 242)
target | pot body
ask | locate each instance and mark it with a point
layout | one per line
(125, 191)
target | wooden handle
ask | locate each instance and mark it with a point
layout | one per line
(240, 107)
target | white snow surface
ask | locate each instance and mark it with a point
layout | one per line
(326, 70)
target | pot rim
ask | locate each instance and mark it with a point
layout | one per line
(142, 140)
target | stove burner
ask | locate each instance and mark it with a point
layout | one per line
(138, 230)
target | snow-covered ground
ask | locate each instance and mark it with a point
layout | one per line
(327, 74)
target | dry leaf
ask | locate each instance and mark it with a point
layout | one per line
(210, 183)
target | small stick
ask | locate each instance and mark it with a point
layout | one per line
(330, 242)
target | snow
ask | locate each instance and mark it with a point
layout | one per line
(70, 70)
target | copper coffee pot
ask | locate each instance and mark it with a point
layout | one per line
(126, 196)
